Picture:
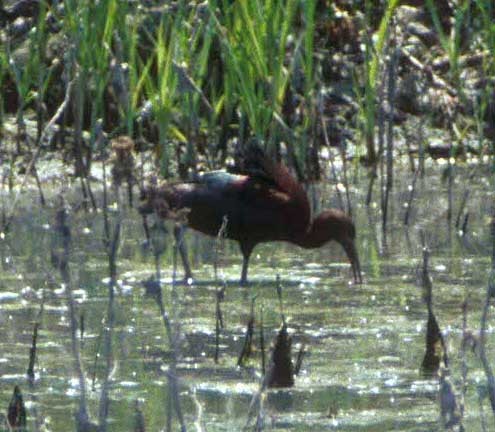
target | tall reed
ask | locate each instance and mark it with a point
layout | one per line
(451, 43)
(90, 27)
(161, 88)
(373, 58)
(4, 68)
(254, 43)
(485, 106)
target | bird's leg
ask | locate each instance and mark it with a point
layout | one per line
(246, 249)
(245, 263)
(179, 238)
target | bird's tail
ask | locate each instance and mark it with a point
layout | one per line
(256, 163)
(251, 160)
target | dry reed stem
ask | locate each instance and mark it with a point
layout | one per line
(60, 111)
(490, 293)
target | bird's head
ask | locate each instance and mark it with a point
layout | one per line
(147, 197)
(155, 199)
(336, 225)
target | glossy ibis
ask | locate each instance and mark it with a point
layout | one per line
(262, 204)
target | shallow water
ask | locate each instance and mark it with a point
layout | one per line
(364, 344)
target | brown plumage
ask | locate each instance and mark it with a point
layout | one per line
(263, 203)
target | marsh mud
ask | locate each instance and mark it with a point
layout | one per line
(364, 343)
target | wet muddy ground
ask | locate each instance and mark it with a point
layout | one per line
(364, 343)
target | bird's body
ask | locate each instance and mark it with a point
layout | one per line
(264, 204)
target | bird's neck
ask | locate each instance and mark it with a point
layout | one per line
(314, 237)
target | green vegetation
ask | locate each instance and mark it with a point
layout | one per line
(189, 77)
(359, 91)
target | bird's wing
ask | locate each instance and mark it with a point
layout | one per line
(220, 179)
(274, 179)
(254, 163)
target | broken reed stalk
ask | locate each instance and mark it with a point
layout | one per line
(484, 427)
(492, 232)
(60, 258)
(300, 358)
(490, 294)
(420, 133)
(247, 348)
(344, 176)
(38, 185)
(111, 243)
(379, 165)
(16, 412)
(436, 351)
(392, 78)
(280, 302)
(48, 128)
(173, 338)
(281, 367)
(219, 243)
(139, 423)
(174, 381)
(106, 222)
(3, 220)
(39, 420)
(81, 169)
(262, 343)
(84, 193)
(96, 357)
(157, 233)
(462, 205)
(449, 410)
(411, 197)
(32, 350)
(279, 374)
(410, 153)
(465, 224)
(450, 196)
(141, 189)
(81, 329)
(198, 423)
(108, 329)
(493, 237)
(373, 176)
(464, 367)
(78, 113)
(260, 418)
(218, 325)
(256, 404)
(36, 177)
(331, 158)
(32, 353)
(220, 292)
(436, 361)
(170, 407)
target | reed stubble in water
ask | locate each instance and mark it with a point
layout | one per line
(435, 362)
(490, 295)
(16, 412)
(60, 253)
(436, 354)
(157, 239)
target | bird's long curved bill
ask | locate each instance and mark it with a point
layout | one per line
(350, 249)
